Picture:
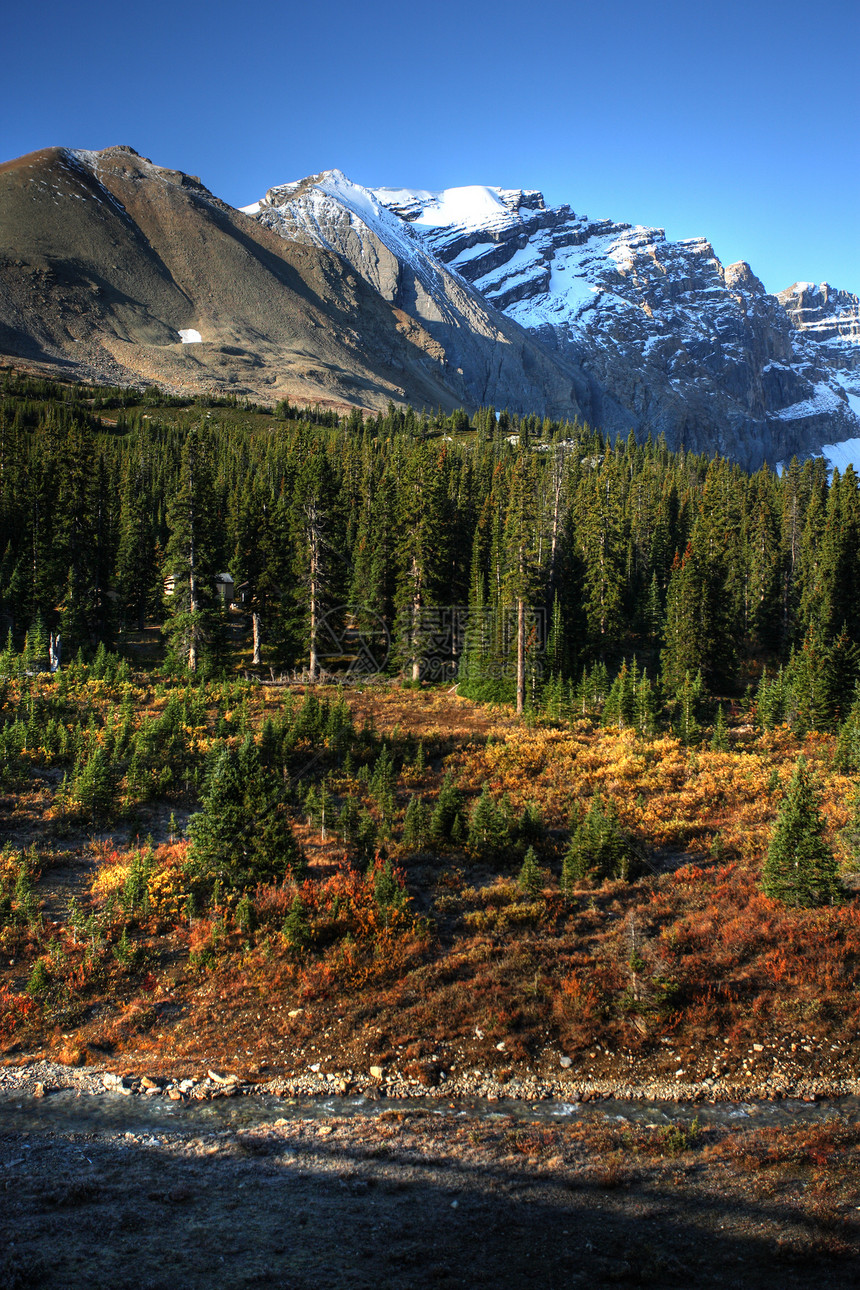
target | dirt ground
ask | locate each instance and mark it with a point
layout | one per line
(411, 1199)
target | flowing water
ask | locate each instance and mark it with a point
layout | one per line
(66, 1111)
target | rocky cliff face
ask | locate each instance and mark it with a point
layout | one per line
(486, 357)
(668, 339)
(829, 322)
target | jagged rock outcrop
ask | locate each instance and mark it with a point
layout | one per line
(671, 341)
(829, 322)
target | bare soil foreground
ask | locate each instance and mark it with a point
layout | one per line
(135, 1192)
(413, 1200)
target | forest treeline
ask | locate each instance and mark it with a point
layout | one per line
(526, 557)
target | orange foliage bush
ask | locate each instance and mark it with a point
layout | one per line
(14, 1011)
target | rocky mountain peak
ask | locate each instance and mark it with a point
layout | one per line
(657, 336)
(739, 276)
(822, 310)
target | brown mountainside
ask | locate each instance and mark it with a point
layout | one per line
(105, 258)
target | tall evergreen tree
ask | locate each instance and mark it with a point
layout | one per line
(318, 563)
(801, 868)
(192, 614)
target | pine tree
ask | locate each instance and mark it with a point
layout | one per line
(366, 836)
(416, 823)
(348, 821)
(764, 566)
(260, 563)
(488, 830)
(191, 554)
(242, 834)
(688, 709)
(850, 835)
(720, 737)
(137, 573)
(531, 876)
(846, 758)
(447, 810)
(422, 558)
(521, 538)
(598, 848)
(601, 540)
(701, 626)
(317, 545)
(296, 930)
(801, 868)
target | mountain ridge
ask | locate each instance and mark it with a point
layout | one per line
(688, 347)
(106, 258)
(327, 291)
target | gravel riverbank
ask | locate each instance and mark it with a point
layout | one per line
(136, 1079)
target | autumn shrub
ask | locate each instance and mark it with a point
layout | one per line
(15, 1010)
(18, 904)
(516, 914)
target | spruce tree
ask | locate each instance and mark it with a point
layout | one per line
(242, 835)
(416, 823)
(801, 868)
(447, 811)
(531, 876)
(598, 848)
(720, 737)
(317, 543)
(137, 574)
(488, 830)
(192, 618)
(521, 541)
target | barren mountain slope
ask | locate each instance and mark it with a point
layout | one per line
(105, 258)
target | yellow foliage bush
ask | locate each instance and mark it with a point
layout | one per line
(522, 914)
(110, 878)
(167, 893)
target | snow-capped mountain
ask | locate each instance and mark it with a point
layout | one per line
(485, 356)
(678, 342)
(323, 291)
(656, 336)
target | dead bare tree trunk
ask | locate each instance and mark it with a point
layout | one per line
(521, 656)
(416, 618)
(314, 590)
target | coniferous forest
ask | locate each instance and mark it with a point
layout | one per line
(621, 573)
(479, 735)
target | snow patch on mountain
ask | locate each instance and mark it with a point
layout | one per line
(822, 401)
(840, 456)
(465, 206)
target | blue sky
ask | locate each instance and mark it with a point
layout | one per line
(736, 120)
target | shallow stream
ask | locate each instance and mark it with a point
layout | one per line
(66, 1111)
